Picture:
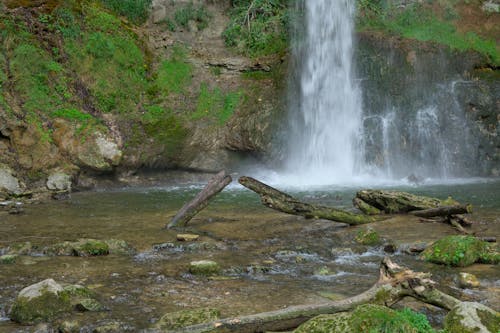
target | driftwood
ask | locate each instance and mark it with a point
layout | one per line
(283, 202)
(395, 202)
(216, 184)
(442, 211)
(394, 283)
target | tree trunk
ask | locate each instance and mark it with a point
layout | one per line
(395, 202)
(394, 283)
(283, 202)
(216, 184)
(443, 211)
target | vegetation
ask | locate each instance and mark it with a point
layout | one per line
(214, 103)
(422, 22)
(174, 74)
(258, 27)
(136, 11)
(190, 12)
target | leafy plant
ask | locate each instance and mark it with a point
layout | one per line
(136, 11)
(190, 12)
(215, 104)
(174, 74)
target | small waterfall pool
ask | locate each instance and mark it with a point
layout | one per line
(270, 260)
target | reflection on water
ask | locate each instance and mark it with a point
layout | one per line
(270, 260)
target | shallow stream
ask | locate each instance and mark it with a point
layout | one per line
(270, 260)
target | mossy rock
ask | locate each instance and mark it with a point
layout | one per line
(472, 317)
(40, 302)
(8, 259)
(204, 267)
(20, 248)
(90, 247)
(460, 251)
(368, 318)
(119, 246)
(89, 305)
(175, 320)
(368, 236)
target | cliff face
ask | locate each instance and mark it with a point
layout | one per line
(88, 92)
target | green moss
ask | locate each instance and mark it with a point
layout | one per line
(40, 309)
(185, 318)
(470, 317)
(458, 251)
(204, 267)
(174, 74)
(367, 237)
(90, 247)
(419, 22)
(213, 103)
(8, 259)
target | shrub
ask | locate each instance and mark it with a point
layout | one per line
(192, 13)
(136, 11)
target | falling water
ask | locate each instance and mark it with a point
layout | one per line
(325, 104)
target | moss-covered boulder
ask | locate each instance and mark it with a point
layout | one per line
(204, 267)
(40, 302)
(368, 237)
(8, 259)
(467, 280)
(175, 320)
(461, 251)
(90, 247)
(368, 318)
(472, 317)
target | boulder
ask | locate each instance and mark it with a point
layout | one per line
(368, 236)
(187, 237)
(204, 267)
(40, 302)
(472, 317)
(467, 280)
(176, 320)
(59, 181)
(461, 251)
(8, 183)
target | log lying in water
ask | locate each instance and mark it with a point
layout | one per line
(283, 202)
(442, 211)
(395, 202)
(216, 184)
(394, 283)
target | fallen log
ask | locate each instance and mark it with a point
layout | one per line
(285, 203)
(442, 211)
(395, 202)
(394, 283)
(216, 184)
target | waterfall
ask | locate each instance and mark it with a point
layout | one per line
(325, 100)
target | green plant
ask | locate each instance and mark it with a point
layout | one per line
(190, 12)
(258, 27)
(174, 74)
(212, 103)
(136, 11)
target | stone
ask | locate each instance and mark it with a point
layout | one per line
(59, 181)
(108, 149)
(158, 13)
(204, 267)
(176, 320)
(491, 6)
(467, 280)
(40, 302)
(89, 304)
(8, 259)
(187, 237)
(8, 183)
(69, 326)
(472, 317)
(110, 326)
(367, 236)
(460, 251)
(82, 248)
(119, 246)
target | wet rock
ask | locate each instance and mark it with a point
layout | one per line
(20, 248)
(8, 259)
(412, 248)
(80, 248)
(472, 317)
(367, 237)
(89, 304)
(204, 267)
(9, 185)
(111, 326)
(69, 326)
(461, 251)
(467, 280)
(175, 320)
(491, 6)
(187, 237)
(59, 181)
(43, 328)
(40, 302)
(365, 318)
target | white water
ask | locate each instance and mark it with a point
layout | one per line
(326, 106)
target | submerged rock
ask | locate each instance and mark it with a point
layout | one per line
(187, 237)
(467, 280)
(461, 251)
(472, 317)
(40, 302)
(90, 247)
(179, 319)
(204, 267)
(8, 259)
